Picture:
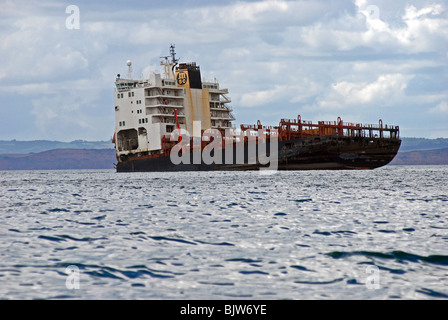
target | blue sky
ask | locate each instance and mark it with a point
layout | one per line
(361, 60)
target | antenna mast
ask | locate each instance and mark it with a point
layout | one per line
(169, 65)
(173, 54)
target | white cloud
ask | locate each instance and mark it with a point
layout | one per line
(75, 112)
(386, 88)
(251, 11)
(422, 31)
(417, 30)
(441, 109)
(266, 14)
(262, 97)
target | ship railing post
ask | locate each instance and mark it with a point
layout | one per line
(381, 128)
(340, 129)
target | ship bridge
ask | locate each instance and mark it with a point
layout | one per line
(148, 110)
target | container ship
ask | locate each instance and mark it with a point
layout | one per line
(176, 121)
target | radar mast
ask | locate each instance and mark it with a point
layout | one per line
(168, 64)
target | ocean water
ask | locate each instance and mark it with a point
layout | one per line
(97, 234)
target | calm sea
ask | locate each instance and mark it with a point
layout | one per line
(380, 234)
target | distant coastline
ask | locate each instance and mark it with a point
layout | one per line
(80, 154)
(60, 159)
(36, 146)
(422, 157)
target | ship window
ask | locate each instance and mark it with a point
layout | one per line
(132, 93)
(123, 123)
(121, 95)
(118, 96)
(139, 120)
(120, 124)
(129, 94)
(146, 120)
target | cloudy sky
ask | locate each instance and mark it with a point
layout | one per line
(359, 59)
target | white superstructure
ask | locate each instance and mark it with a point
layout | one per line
(145, 109)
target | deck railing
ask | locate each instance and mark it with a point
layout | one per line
(297, 128)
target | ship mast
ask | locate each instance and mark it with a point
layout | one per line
(169, 65)
(173, 54)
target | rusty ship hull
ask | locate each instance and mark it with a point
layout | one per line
(311, 153)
